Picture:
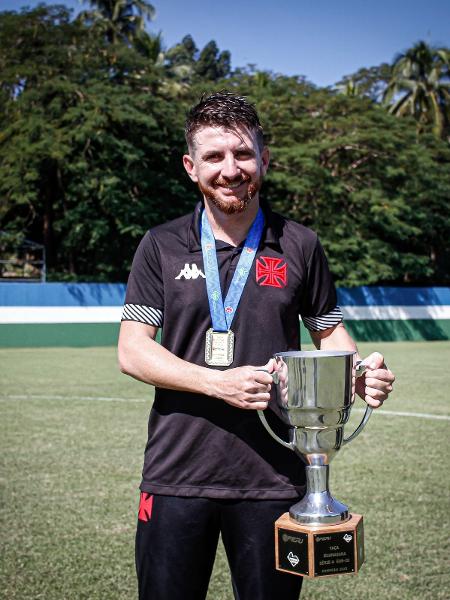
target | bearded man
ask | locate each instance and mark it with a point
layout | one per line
(228, 283)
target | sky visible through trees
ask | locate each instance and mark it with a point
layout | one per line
(323, 41)
(91, 139)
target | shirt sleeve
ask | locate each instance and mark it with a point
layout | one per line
(318, 308)
(144, 300)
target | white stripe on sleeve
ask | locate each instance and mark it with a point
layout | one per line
(322, 322)
(142, 314)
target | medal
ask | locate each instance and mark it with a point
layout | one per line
(219, 348)
(219, 341)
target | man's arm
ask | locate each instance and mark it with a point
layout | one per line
(144, 359)
(376, 383)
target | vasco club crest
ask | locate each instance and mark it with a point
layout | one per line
(270, 271)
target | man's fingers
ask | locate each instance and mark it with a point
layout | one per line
(257, 402)
(379, 383)
(270, 365)
(380, 380)
(384, 374)
(261, 375)
(260, 387)
(375, 393)
(374, 361)
(373, 403)
(374, 397)
(256, 405)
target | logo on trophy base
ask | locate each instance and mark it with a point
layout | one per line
(314, 393)
(329, 550)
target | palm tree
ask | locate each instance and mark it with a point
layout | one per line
(121, 19)
(349, 88)
(420, 87)
(150, 45)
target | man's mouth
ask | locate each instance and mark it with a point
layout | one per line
(230, 186)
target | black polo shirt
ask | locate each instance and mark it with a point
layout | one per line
(201, 446)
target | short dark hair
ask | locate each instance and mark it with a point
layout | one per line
(223, 109)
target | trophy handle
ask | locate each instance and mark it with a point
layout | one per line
(360, 368)
(360, 427)
(262, 416)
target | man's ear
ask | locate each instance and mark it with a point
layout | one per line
(265, 159)
(189, 165)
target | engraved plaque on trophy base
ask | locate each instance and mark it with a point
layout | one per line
(319, 551)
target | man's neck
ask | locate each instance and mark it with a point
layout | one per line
(232, 229)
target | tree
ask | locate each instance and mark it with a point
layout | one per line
(119, 19)
(186, 66)
(150, 46)
(88, 161)
(420, 87)
(180, 62)
(91, 139)
(183, 53)
(370, 82)
(211, 64)
(356, 174)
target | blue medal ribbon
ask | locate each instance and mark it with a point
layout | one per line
(222, 312)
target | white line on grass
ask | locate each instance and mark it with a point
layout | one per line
(391, 413)
(388, 413)
(90, 398)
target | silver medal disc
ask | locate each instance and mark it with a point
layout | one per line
(219, 348)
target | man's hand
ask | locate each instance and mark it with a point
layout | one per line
(245, 387)
(376, 383)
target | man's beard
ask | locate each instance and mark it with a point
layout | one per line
(231, 206)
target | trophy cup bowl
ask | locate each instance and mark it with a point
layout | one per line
(314, 393)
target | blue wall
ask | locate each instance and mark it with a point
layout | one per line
(371, 313)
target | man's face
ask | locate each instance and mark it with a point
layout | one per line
(228, 167)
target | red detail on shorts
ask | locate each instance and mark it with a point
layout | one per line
(269, 268)
(145, 507)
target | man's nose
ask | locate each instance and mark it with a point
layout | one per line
(230, 169)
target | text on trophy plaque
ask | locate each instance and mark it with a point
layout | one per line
(319, 551)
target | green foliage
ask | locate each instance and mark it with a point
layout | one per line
(118, 19)
(184, 62)
(419, 86)
(370, 82)
(183, 53)
(356, 175)
(211, 64)
(90, 150)
(91, 139)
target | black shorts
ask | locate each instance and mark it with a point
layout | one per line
(176, 543)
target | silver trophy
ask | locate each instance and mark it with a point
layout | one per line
(314, 394)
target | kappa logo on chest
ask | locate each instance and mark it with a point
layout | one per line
(271, 272)
(190, 271)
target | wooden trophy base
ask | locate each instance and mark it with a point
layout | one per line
(319, 551)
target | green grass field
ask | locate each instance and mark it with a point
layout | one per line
(73, 431)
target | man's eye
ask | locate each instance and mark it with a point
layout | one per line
(244, 155)
(213, 158)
